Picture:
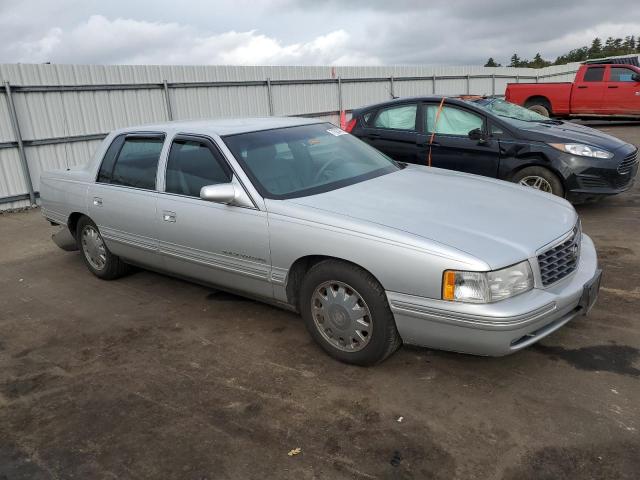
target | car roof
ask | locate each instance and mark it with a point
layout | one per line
(222, 127)
(400, 100)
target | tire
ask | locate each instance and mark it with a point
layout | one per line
(540, 109)
(108, 266)
(331, 290)
(545, 178)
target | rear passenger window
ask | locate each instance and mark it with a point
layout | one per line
(136, 164)
(193, 165)
(106, 168)
(368, 117)
(594, 74)
(402, 117)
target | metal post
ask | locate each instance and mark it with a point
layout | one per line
(167, 99)
(18, 137)
(270, 97)
(493, 84)
(537, 78)
(468, 85)
(433, 84)
(518, 78)
(391, 88)
(339, 95)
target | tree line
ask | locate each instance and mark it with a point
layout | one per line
(611, 47)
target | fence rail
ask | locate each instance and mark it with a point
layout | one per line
(53, 104)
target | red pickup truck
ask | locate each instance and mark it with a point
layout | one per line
(599, 90)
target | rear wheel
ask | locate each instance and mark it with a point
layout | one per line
(97, 257)
(540, 178)
(346, 312)
(540, 109)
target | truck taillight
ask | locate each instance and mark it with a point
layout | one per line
(351, 125)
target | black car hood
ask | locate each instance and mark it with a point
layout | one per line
(568, 132)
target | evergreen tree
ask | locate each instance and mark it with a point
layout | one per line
(617, 47)
(608, 47)
(628, 45)
(596, 48)
(538, 62)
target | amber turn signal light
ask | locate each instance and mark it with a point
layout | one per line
(448, 285)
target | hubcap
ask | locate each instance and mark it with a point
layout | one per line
(341, 316)
(93, 247)
(539, 183)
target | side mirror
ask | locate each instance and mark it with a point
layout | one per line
(635, 77)
(224, 193)
(477, 135)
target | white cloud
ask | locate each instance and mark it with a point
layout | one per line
(304, 32)
(127, 41)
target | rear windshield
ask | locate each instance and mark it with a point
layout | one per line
(305, 160)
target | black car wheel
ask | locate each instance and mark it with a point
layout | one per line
(346, 312)
(539, 178)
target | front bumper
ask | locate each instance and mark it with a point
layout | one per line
(587, 178)
(500, 328)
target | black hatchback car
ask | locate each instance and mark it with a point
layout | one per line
(491, 137)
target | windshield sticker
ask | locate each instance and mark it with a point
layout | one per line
(336, 132)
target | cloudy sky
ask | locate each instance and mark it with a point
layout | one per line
(304, 32)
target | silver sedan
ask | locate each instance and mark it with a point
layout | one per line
(296, 212)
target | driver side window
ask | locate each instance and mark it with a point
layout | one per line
(451, 121)
(191, 166)
(621, 74)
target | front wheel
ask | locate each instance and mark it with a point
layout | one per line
(346, 312)
(540, 178)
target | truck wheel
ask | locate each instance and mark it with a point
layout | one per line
(346, 312)
(97, 257)
(539, 178)
(539, 109)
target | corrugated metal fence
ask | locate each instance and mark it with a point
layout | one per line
(54, 116)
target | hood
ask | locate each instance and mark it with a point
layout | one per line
(497, 222)
(568, 132)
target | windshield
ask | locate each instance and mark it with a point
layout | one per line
(305, 160)
(510, 110)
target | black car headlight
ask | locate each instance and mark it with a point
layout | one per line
(582, 150)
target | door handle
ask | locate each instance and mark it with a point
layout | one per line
(168, 216)
(582, 86)
(97, 201)
(374, 135)
(612, 86)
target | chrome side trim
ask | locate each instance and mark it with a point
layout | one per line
(468, 320)
(278, 275)
(129, 239)
(222, 262)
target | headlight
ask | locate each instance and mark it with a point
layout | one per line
(581, 150)
(487, 287)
